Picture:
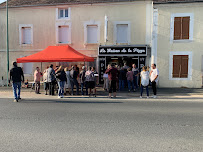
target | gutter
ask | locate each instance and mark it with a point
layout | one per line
(71, 3)
(178, 2)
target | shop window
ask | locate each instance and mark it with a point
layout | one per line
(122, 33)
(180, 66)
(28, 68)
(26, 35)
(181, 28)
(92, 34)
(63, 13)
(63, 32)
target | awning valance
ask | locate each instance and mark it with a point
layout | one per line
(56, 54)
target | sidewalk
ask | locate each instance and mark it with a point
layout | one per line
(163, 93)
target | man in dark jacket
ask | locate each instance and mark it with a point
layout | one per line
(112, 75)
(74, 82)
(122, 77)
(16, 76)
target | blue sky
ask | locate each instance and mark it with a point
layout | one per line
(2, 1)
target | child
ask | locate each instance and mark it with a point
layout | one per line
(26, 84)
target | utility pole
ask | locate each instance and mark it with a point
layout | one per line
(7, 43)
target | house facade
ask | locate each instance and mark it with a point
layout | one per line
(165, 32)
(179, 34)
(89, 27)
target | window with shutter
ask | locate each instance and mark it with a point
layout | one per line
(184, 66)
(176, 66)
(181, 28)
(180, 66)
(26, 35)
(92, 34)
(185, 27)
(122, 33)
(63, 34)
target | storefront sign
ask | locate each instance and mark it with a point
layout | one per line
(124, 51)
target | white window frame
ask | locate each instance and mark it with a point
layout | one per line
(171, 54)
(115, 31)
(63, 18)
(191, 28)
(57, 31)
(93, 23)
(20, 34)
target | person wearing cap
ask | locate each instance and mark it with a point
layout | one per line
(16, 76)
(82, 81)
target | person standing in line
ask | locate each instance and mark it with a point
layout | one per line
(37, 76)
(144, 81)
(106, 79)
(67, 84)
(154, 76)
(51, 79)
(129, 76)
(61, 79)
(16, 76)
(121, 77)
(126, 70)
(82, 80)
(125, 66)
(77, 69)
(57, 67)
(74, 81)
(113, 75)
(89, 75)
(117, 79)
(135, 76)
(106, 82)
(46, 84)
(95, 81)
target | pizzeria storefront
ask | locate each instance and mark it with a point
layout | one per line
(118, 55)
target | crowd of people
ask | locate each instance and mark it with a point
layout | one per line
(119, 77)
(64, 80)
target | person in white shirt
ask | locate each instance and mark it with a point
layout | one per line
(154, 76)
(46, 84)
(144, 80)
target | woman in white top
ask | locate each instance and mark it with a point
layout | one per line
(67, 84)
(144, 81)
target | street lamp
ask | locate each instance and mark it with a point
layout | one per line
(7, 42)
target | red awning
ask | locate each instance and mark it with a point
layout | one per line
(56, 54)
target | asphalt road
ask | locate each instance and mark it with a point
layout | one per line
(101, 125)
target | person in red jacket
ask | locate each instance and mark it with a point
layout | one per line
(112, 75)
